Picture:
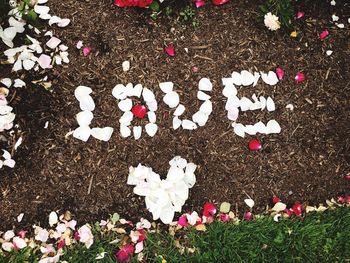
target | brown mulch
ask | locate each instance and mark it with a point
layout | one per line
(305, 163)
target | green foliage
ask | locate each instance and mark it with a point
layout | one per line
(319, 237)
(187, 13)
(284, 9)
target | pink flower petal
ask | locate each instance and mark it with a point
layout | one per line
(248, 216)
(87, 51)
(300, 77)
(347, 177)
(224, 217)
(275, 200)
(182, 221)
(45, 61)
(300, 14)
(170, 50)
(220, 2)
(324, 34)
(199, 3)
(280, 73)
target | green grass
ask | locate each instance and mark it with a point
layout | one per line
(319, 237)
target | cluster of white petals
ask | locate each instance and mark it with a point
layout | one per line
(6, 115)
(7, 160)
(271, 22)
(164, 197)
(123, 94)
(200, 118)
(234, 104)
(32, 56)
(84, 118)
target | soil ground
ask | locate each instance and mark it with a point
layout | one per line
(305, 163)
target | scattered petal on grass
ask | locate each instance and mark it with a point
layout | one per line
(279, 206)
(248, 216)
(209, 209)
(225, 207)
(297, 209)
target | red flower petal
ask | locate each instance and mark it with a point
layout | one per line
(255, 145)
(170, 50)
(220, 2)
(300, 77)
(347, 177)
(139, 111)
(280, 73)
(209, 209)
(297, 209)
(289, 212)
(340, 199)
(324, 34)
(122, 256)
(275, 200)
(76, 236)
(61, 244)
(300, 14)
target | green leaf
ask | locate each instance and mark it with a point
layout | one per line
(115, 217)
(154, 6)
(32, 16)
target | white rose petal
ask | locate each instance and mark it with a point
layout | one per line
(137, 131)
(151, 129)
(166, 87)
(205, 84)
(102, 134)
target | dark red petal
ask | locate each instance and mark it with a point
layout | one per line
(297, 209)
(248, 216)
(209, 209)
(275, 200)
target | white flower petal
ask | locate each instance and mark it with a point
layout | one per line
(247, 78)
(206, 107)
(126, 66)
(53, 218)
(229, 91)
(125, 131)
(125, 105)
(119, 92)
(238, 129)
(236, 78)
(28, 64)
(19, 83)
(273, 127)
(205, 84)
(270, 78)
(7, 82)
(166, 87)
(270, 104)
(200, 118)
(202, 96)
(188, 125)
(102, 134)
(176, 122)
(249, 202)
(151, 116)
(171, 99)
(137, 131)
(151, 129)
(148, 95)
(41, 9)
(179, 110)
(82, 133)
